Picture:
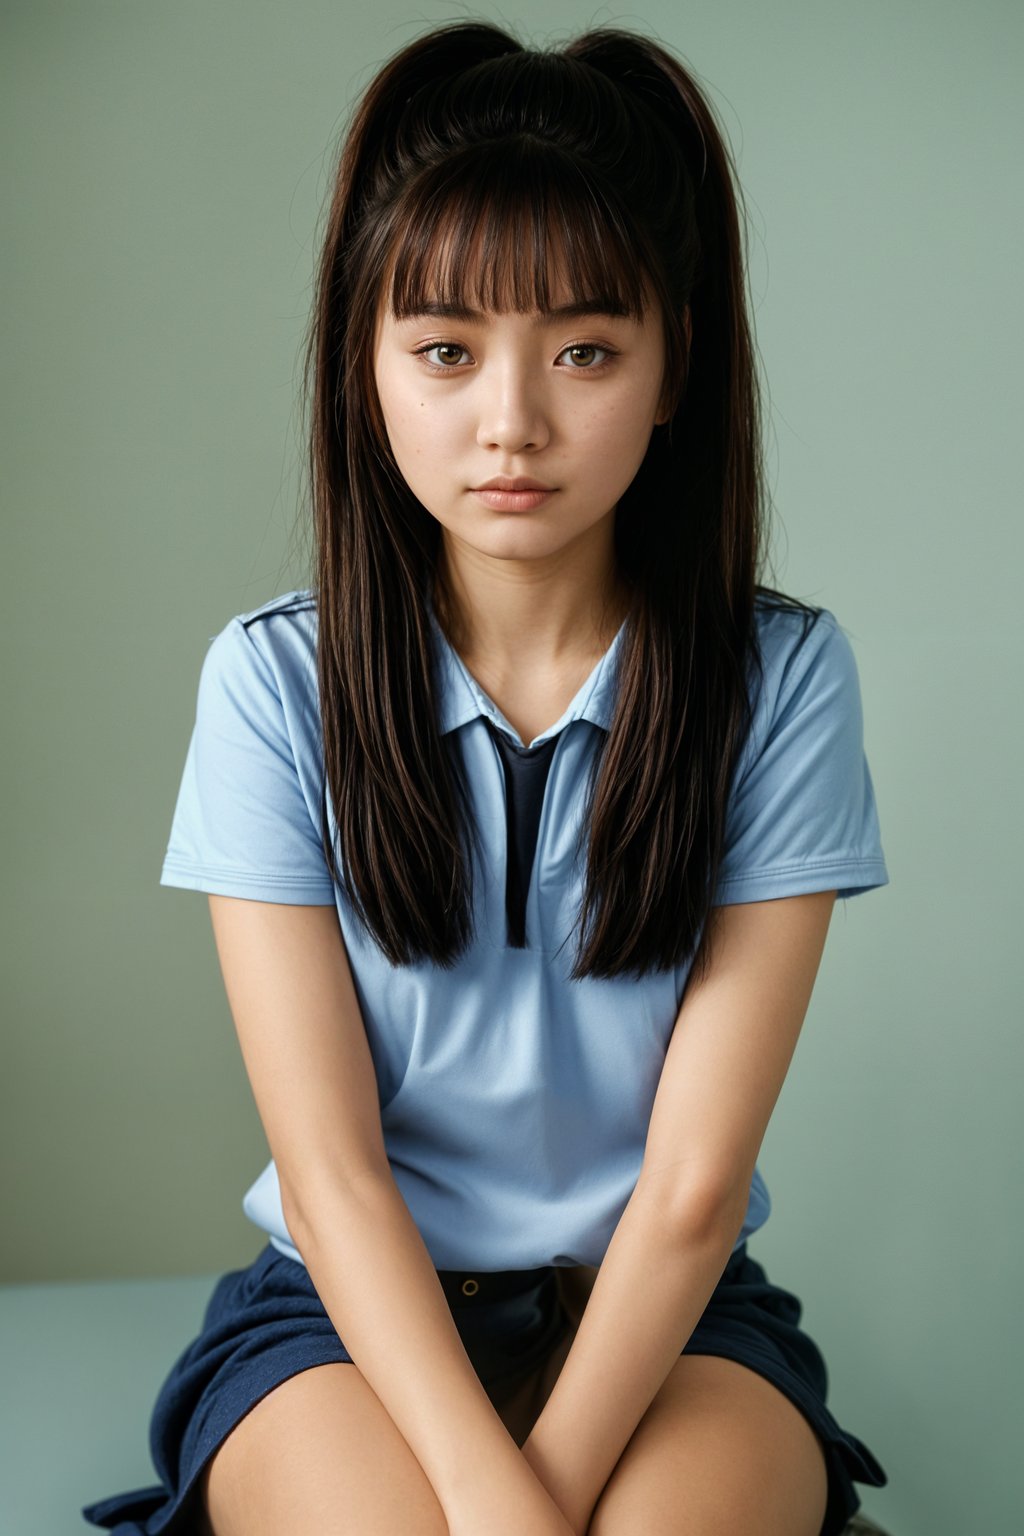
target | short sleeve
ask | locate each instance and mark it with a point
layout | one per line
(802, 815)
(244, 820)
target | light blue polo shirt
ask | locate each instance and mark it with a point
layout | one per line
(515, 1102)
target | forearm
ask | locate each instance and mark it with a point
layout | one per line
(651, 1289)
(378, 1284)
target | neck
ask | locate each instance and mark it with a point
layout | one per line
(530, 624)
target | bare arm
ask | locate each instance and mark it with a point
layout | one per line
(724, 1069)
(302, 1037)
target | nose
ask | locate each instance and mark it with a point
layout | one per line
(513, 414)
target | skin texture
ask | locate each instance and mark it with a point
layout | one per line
(716, 1448)
(626, 1423)
(524, 395)
(717, 1444)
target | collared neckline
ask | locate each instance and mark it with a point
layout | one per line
(462, 699)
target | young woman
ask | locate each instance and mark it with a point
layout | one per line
(522, 827)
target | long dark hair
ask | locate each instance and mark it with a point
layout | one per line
(601, 160)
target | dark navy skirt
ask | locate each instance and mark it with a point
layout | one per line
(266, 1323)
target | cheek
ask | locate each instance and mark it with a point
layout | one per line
(423, 441)
(617, 433)
(409, 421)
(418, 413)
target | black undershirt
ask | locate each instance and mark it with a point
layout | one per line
(526, 773)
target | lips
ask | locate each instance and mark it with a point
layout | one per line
(514, 501)
(519, 483)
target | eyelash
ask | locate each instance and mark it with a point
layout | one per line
(593, 368)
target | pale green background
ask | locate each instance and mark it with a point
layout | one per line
(164, 175)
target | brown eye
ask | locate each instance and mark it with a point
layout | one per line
(440, 347)
(590, 347)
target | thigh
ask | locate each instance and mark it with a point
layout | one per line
(319, 1455)
(719, 1450)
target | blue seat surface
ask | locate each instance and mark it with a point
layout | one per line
(83, 1362)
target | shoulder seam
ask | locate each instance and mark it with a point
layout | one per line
(290, 602)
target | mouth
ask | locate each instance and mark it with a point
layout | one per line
(513, 483)
(513, 501)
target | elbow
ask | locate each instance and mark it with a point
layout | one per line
(308, 1204)
(707, 1209)
(292, 1211)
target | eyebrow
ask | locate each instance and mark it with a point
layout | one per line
(578, 310)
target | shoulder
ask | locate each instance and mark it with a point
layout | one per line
(286, 622)
(277, 638)
(802, 815)
(783, 629)
(262, 664)
(807, 683)
(797, 647)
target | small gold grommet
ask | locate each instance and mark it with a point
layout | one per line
(470, 1287)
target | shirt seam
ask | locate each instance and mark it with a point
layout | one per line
(798, 865)
(243, 876)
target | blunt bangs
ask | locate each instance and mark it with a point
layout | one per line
(483, 177)
(502, 226)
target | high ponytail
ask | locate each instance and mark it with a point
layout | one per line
(609, 155)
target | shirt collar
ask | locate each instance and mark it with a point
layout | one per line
(461, 698)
